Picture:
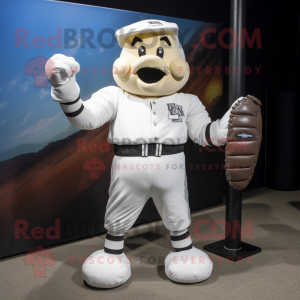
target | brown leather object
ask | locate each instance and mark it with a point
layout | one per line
(243, 141)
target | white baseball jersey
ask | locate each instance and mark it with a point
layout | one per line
(135, 120)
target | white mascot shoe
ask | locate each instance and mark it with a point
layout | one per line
(104, 270)
(188, 266)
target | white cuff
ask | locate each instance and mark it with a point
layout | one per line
(218, 135)
(66, 92)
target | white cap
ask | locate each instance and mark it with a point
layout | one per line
(150, 26)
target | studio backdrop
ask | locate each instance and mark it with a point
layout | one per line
(54, 178)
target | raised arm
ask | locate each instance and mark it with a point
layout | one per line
(93, 113)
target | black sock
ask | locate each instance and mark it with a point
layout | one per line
(114, 244)
(182, 242)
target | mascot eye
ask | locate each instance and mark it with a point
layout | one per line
(142, 51)
(160, 52)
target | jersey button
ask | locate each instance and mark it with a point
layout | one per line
(154, 113)
(156, 139)
(154, 102)
(154, 124)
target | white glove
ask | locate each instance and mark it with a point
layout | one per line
(61, 71)
(219, 128)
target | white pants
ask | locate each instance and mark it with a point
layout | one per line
(135, 179)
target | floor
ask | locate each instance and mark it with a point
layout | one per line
(272, 274)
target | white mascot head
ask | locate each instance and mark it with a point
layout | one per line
(152, 62)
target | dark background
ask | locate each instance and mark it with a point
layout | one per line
(279, 56)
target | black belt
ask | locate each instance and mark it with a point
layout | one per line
(147, 150)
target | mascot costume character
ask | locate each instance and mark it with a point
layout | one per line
(149, 124)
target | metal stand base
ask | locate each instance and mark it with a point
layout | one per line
(219, 249)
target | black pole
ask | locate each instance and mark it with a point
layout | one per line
(236, 90)
(232, 247)
(233, 214)
(237, 55)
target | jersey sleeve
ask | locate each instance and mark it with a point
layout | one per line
(93, 113)
(197, 120)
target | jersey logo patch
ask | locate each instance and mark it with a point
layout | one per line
(175, 112)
